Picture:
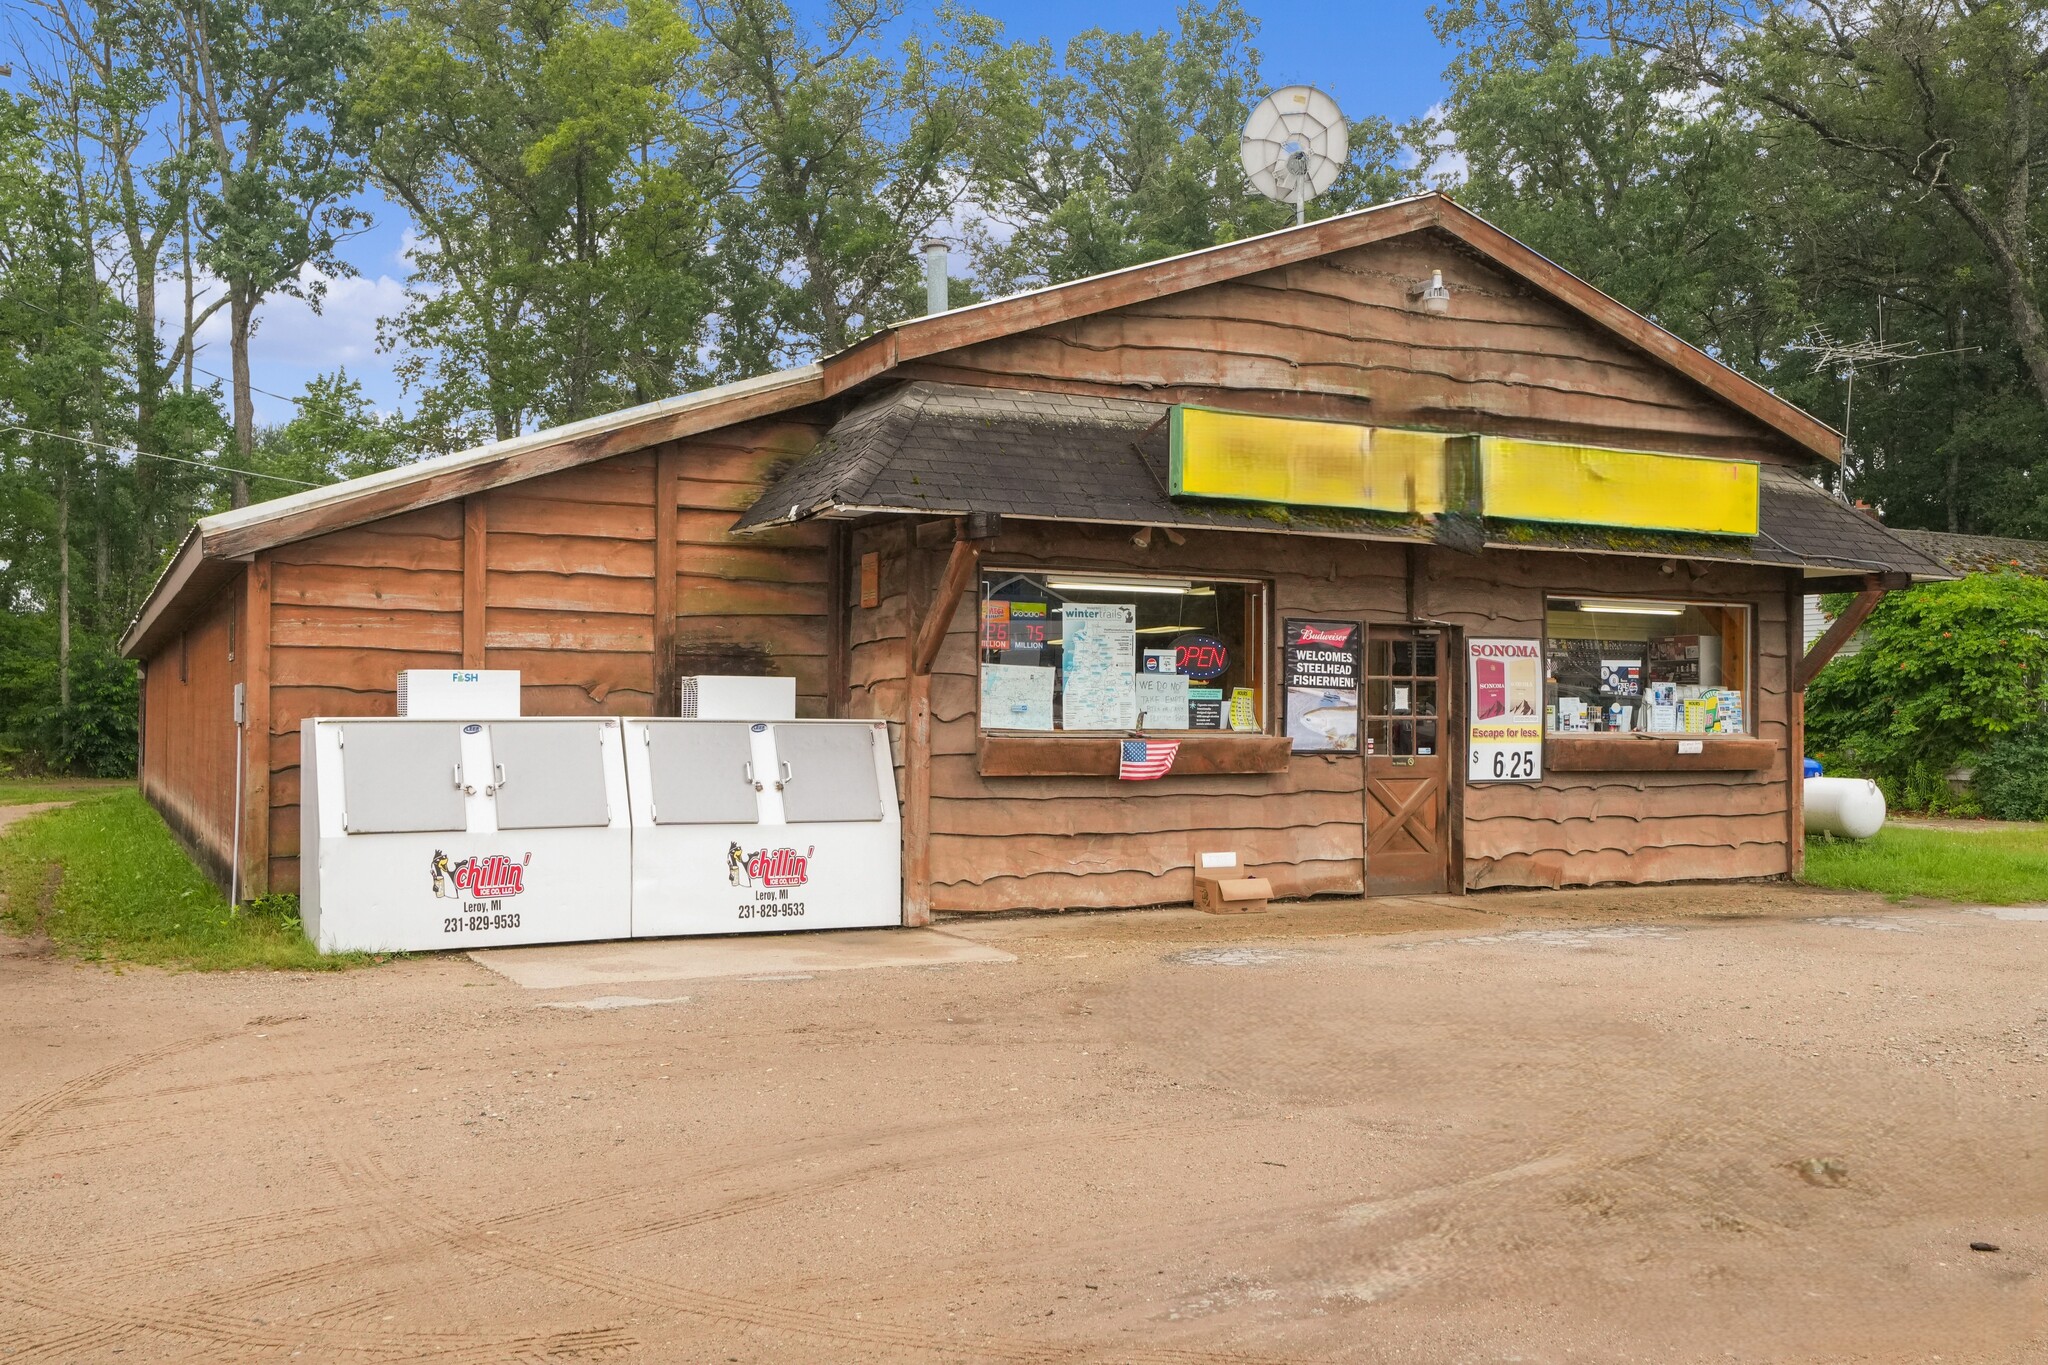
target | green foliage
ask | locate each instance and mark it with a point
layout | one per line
(1973, 866)
(1945, 671)
(2011, 779)
(105, 881)
(560, 193)
(1127, 151)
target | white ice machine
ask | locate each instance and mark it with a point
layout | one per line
(755, 826)
(420, 834)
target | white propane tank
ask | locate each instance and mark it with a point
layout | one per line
(1848, 807)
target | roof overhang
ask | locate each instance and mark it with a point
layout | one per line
(930, 449)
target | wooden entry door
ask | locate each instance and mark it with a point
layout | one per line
(1408, 703)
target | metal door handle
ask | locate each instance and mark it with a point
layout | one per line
(458, 777)
(748, 768)
(499, 770)
(787, 776)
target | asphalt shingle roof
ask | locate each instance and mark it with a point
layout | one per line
(950, 449)
(1980, 554)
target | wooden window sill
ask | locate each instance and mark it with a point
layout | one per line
(1057, 755)
(1656, 753)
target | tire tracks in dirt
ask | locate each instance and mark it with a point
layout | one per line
(106, 1324)
(24, 1119)
(551, 1261)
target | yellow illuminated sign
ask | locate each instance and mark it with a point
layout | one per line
(1592, 486)
(1301, 463)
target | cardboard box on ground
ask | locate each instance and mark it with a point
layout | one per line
(1222, 888)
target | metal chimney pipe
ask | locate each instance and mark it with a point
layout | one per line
(935, 275)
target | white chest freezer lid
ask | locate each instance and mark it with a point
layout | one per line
(700, 773)
(550, 774)
(402, 779)
(829, 773)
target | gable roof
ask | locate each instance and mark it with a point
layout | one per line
(244, 531)
(929, 448)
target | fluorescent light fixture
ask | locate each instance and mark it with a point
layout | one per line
(1632, 608)
(1128, 585)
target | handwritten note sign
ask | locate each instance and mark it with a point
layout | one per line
(1162, 700)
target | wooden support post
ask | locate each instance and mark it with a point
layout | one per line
(668, 467)
(474, 594)
(1795, 729)
(917, 803)
(839, 608)
(1847, 624)
(255, 651)
(930, 634)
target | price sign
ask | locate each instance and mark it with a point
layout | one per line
(1505, 739)
(1201, 657)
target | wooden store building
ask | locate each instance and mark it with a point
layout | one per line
(1420, 565)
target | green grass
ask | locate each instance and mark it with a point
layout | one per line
(1991, 867)
(23, 791)
(105, 881)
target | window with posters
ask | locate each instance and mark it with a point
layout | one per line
(1504, 739)
(1090, 651)
(1635, 666)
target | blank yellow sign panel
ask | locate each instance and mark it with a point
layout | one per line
(1302, 463)
(1592, 486)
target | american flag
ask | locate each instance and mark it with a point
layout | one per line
(1145, 758)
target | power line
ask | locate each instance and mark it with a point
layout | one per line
(154, 455)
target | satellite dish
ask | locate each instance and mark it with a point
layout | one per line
(1294, 145)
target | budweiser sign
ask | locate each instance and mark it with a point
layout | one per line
(488, 878)
(1334, 636)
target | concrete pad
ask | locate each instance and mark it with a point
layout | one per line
(564, 965)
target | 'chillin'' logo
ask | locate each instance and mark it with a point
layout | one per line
(489, 878)
(768, 866)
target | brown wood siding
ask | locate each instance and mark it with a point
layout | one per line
(188, 749)
(1051, 843)
(1339, 337)
(1583, 828)
(1056, 843)
(349, 610)
(564, 586)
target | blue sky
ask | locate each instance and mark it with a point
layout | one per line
(1375, 58)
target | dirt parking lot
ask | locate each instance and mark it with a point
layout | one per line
(1680, 1125)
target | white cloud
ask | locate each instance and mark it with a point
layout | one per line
(292, 343)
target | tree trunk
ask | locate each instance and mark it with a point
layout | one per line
(64, 590)
(240, 324)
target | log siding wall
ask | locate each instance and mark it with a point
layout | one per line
(555, 577)
(1067, 842)
(188, 732)
(1338, 337)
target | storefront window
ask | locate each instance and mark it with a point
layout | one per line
(1622, 665)
(1110, 652)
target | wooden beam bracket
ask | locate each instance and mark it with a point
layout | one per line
(1846, 625)
(961, 563)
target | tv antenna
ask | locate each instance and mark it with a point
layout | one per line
(1294, 145)
(1846, 358)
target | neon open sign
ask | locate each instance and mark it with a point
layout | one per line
(1201, 657)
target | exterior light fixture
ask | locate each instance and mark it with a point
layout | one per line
(1435, 297)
